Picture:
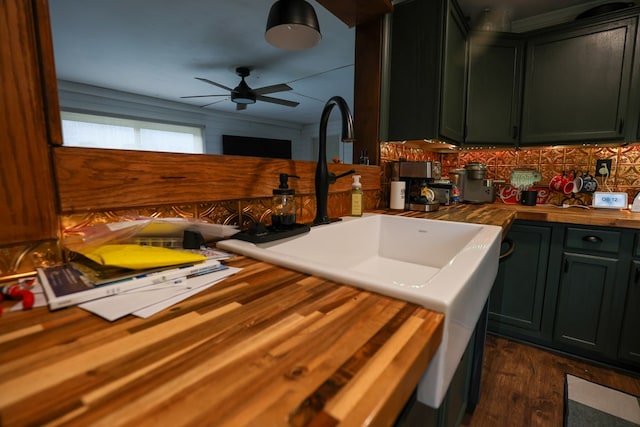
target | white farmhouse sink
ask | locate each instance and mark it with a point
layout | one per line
(441, 265)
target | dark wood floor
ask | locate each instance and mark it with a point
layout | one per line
(524, 386)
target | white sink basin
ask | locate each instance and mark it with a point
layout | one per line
(441, 265)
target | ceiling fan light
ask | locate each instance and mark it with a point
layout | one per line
(292, 25)
(239, 99)
(243, 94)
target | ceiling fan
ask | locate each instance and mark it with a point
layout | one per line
(243, 95)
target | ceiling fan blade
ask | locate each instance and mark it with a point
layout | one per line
(271, 89)
(241, 107)
(211, 103)
(277, 101)
(214, 83)
(200, 96)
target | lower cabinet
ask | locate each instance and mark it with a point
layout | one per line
(517, 299)
(629, 350)
(575, 289)
(583, 316)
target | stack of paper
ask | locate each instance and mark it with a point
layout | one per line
(146, 301)
(113, 292)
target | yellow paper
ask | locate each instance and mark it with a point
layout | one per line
(139, 257)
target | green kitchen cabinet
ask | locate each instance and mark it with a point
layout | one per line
(629, 349)
(591, 291)
(577, 84)
(583, 318)
(427, 72)
(516, 301)
(570, 288)
(494, 89)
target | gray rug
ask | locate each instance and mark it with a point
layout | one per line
(588, 404)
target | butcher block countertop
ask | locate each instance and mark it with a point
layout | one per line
(266, 347)
(503, 215)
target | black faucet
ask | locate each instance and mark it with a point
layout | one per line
(323, 176)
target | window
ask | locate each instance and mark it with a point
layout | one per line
(87, 130)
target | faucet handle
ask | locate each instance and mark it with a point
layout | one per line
(333, 177)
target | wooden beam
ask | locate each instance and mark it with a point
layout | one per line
(367, 87)
(100, 179)
(356, 12)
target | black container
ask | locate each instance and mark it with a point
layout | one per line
(529, 197)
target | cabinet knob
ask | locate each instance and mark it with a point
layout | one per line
(592, 239)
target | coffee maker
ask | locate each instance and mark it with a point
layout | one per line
(418, 177)
(476, 188)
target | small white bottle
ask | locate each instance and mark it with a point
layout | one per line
(356, 196)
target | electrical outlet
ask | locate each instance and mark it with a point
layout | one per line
(603, 167)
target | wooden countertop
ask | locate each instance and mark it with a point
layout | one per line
(503, 215)
(266, 347)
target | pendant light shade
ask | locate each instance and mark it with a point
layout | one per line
(292, 25)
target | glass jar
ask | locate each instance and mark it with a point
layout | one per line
(283, 209)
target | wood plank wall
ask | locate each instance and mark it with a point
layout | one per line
(97, 179)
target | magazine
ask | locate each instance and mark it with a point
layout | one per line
(66, 284)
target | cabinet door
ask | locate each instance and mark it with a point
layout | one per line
(629, 350)
(495, 81)
(517, 297)
(577, 83)
(454, 78)
(583, 310)
(427, 71)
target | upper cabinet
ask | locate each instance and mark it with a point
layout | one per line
(427, 72)
(578, 83)
(495, 85)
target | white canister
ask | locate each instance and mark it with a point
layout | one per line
(398, 189)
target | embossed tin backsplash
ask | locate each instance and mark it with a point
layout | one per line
(549, 161)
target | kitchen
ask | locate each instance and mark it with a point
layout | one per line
(41, 209)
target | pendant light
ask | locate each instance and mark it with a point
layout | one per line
(292, 25)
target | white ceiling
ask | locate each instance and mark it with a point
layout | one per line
(157, 47)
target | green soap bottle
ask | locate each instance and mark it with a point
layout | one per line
(356, 197)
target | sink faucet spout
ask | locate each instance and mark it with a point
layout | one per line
(323, 177)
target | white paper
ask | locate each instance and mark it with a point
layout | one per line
(117, 306)
(155, 308)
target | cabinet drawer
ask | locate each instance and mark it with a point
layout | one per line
(636, 245)
(592, 240)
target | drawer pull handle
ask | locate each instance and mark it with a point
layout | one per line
(592, 239)
(637, 277)
(510, 249)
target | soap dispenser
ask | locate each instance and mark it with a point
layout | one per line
(283, 204)
(356, 196)
(635, 207)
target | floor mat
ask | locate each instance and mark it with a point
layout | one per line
(587, 404)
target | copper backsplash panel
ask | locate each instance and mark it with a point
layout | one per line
(19, 260)
(550, 161)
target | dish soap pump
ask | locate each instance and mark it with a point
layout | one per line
(283, 204)
(356, 196)
(635, 207)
